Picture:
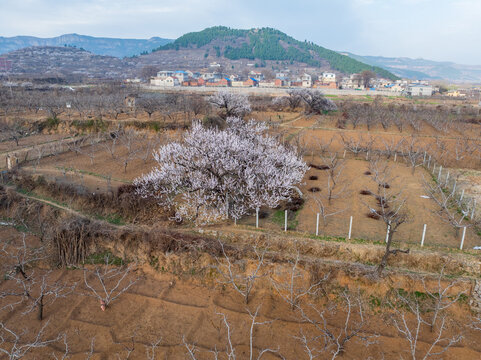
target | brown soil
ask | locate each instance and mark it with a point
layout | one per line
(170, 306)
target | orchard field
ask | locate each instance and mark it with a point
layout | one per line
(71, 216)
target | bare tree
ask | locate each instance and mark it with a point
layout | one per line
(129, 141)
(242, 283)
(352, 144)
(366, 77)
(293, 290)
(336, 187)
(450, 211)
(441, 298)
(411, 330)
(391, 208)
(109, 282)
(15, 345)
(149, 103)
(413, 152)
(230, 349)
(392, 146)
(333, 339)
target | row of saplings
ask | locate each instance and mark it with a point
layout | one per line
(326, 327)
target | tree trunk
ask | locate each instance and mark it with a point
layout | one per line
(40, 309)
(382, 265)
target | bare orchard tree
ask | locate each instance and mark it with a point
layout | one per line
(449, 211)
(234, 275)
(336, 187)
(294, 99)
(410, 318)
(11, 131)
(391, 208)
(293, 290)
(217, 174)
(15, 344)
(354, 145)
(231, 352)
(333, 340)
(130, 142)
(40, 290)
(107, 282)
(17, 258)
(391, 146)
(441, 297)
(65, 355)
(197, 104)
(413, 152)
(34, 289)
(320, 206)
(150, 103)
(230, 104)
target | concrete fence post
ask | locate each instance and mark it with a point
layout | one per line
(424, 235)
(473, 209)
(257, 217)
(317, 225)
(285, 220)
(447, 179)
(462, 238)
(395, 157)
(350, 228)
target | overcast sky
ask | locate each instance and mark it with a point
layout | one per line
(443, 30)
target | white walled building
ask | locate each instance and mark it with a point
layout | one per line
(328, 77)
(164, 81)
(306, 80)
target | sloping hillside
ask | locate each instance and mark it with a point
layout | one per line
(267, 44)
(97, 45)
(66, 61)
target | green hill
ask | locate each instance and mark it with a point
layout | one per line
(269, 44)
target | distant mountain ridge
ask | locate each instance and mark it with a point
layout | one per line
(423, 69)
(98, 45)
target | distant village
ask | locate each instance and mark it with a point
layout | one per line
(285, 79)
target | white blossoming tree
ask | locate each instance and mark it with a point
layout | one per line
(215, 174)
(230, 104)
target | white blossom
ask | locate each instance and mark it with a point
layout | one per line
(214, 174)
(230, 104)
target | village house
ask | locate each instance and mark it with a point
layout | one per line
(419, 90)
(266, 84)
(281, 82)
(224, 82)
(251, 82)
(167, 81)
(456, 94)
(328, 78)
(306, 80)
(256, 75)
